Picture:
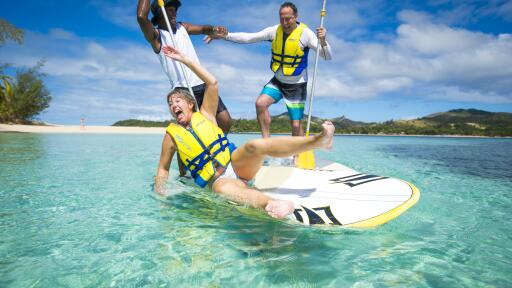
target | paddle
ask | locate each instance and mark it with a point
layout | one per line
(168, 24)
(306, 159)
(162, 6)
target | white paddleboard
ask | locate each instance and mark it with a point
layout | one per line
(337, 195)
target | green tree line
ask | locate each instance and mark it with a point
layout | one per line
(470, 122)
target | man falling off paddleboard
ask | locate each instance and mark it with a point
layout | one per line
(209, 156)
(157, 34)
(291, 41)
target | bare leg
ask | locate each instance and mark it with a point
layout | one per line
(237, 191)
(296, 128)
(224, 121)
(262, 104)
(247, 159)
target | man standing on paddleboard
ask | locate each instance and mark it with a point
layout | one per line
(157, 34)
(291, 41)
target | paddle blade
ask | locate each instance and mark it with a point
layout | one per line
(306, 160)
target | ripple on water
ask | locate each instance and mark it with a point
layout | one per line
(90, 218)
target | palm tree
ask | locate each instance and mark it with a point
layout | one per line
(6, 96)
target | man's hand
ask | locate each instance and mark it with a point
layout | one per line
(219, 32)
(321, 33)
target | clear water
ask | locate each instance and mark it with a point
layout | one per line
(78, 211)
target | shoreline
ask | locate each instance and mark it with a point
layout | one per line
(77, 129)
(393, 135)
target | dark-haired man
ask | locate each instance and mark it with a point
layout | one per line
(291, 41)
(156, 33)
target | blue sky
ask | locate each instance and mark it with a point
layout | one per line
(391, 59)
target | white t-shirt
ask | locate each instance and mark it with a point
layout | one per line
(172, 68)
(307, 39)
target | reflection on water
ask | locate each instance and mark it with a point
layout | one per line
(18, 149)
(479, 157)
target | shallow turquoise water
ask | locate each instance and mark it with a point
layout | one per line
(78, 211)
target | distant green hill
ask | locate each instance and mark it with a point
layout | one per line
(141, 123)
(469, 122)
(457, 122)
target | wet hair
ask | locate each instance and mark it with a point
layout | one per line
(183, 94)
(156, 11)
(289, 5)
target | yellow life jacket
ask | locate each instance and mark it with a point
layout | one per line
(202, 147)
(287, 54)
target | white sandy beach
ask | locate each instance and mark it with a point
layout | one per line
(79, 130)
(70, 129)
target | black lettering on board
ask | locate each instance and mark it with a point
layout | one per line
(316, 218)
(356, 179)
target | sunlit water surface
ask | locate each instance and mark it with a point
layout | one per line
(78, 211)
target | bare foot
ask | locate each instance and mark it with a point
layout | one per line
(326, 136)
(279, 208)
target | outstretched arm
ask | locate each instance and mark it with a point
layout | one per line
(211, 32)
(211, 96)
(162, 172)
(266, 34)
(150, 33)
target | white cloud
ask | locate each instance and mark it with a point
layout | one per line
(345, 87)
(58, 33)
(425, 37)
(505, 10)
(163, 117)
(243, 16)
(425, 54)
(120, 12)
(108, 80)
(241, 70)
(424, 58)
(460, 95)
(459, 12)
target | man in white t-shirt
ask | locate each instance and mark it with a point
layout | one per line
(156, 33)
(291, 41)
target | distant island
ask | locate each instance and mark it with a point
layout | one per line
(464, 122)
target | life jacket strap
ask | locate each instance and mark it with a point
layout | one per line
(197, 164)
(286, 56)
(224, 143)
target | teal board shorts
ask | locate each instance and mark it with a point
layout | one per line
(294, 96)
